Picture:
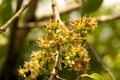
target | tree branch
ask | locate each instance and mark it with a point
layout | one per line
(75, 6)
(100, 61)
(105, 18)
(23, 7)
(32, 24)
(53, 72)
(67, 9)
(55, 11)
(82, 8)
(14, 55)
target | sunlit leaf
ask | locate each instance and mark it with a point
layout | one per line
(96, 76)
(93, 76)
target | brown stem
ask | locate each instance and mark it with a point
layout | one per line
(55, 10)
(53, 72)
(32, 24)
(100, 61)
(82, 7)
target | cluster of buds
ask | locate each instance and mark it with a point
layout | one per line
(77, 59)
(33, 67)
(84, 26)
(68, 41)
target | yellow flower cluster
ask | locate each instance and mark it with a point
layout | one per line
(84, 26)
(77, 59)
(68, 41)
(32, 68)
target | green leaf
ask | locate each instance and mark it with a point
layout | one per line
(96, 76)
(92, 5)
(65, 16)
(43, 71)
(93, 76)
(5, 11)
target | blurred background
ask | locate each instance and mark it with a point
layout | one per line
(19, 40)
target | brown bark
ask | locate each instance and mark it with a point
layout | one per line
(17, 38)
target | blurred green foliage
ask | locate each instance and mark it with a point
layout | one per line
(5, 11)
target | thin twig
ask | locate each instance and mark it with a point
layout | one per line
(100, 61)
(59, 78)
(56, 11)
(53, 72)
(56, 18)
(32, 24)
(82, 7)
(5, 26)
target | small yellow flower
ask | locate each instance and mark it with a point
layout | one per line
(21, 71)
